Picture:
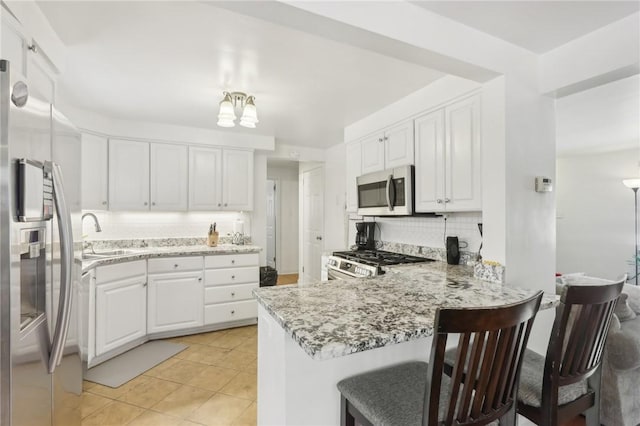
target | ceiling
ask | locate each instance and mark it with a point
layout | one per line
(538, 26)
(601, 119)
(169, 62)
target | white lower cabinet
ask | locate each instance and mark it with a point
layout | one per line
(132, 301)
(175, 299)
(121, 305)
(229, 283)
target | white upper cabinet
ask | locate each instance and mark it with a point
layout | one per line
(14, 45)
(398, 146)
(353, 155)
(388, 149)
(463, 162)
(205, 178)
(128, 175)
(169, 164)
(95, 154)
(237, 181)
(430, 161)
(372, 153)
(448, 163)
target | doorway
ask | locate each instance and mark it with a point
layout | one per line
(312, 224)
(271, 222)
(282, 213)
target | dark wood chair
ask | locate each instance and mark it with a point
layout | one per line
(491, 343)
(566, 383)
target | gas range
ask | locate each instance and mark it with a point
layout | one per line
(366, 263)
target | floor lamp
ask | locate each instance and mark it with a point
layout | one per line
(634, 184)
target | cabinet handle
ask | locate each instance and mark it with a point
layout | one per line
(175, 266)
(380, 139)
(153, 204)
(104, 203)
(146, 204)
(233, 312)
(200, 279)
(233, 277)
(219, 204)
(233, 261)
(144, 284)
(446, 200)
(439, 201)
(225, 204)
(386, 138)
(233, 294)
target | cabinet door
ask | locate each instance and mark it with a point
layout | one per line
(398, 146)
(373, 154)
(169, 177)
(237, 180)
(430, 161)
(205, 178)
(175, 301)
(353, 170)
(463, 150)
(128, 175)
(94, 172)
(121, 313)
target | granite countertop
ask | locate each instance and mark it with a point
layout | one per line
(337, 318)
(169, 251)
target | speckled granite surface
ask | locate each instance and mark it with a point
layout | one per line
(159, 242)
(466, 257)
(337, 318)
(189, 250)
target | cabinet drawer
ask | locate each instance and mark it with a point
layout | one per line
(231, 260)
(175, 264)
(231, 276)
(228, 293)
(225, 312)
(120, 271)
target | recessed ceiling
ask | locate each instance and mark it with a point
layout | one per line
(538, 26)
(169, 62)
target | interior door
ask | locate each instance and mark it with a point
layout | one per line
(312, 224)
(271, 223)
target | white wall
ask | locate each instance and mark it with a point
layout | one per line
(596, 213)
(286, 177)
(129, 225)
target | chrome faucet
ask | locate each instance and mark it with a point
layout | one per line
(95, 219)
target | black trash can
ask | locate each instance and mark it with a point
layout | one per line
(268, 276)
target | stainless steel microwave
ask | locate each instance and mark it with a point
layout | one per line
(386, 193)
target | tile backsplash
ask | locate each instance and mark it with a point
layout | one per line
(426, 231)
(136, 225)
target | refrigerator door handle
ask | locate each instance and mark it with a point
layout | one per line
(66, 265)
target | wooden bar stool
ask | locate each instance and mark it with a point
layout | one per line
(490, 346)
(565, 383)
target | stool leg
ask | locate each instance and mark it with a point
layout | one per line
(593, 414)
(346, 419)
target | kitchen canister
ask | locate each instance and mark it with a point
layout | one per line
(453, 251)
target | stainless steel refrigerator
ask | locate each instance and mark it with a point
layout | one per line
(40, 366)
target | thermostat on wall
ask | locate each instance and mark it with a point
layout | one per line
(543, 184)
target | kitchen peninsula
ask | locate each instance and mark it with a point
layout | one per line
(310, 337)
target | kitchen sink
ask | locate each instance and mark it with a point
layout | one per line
(106, 253)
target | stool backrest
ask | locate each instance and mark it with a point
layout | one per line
(484, 380)
(579, 333)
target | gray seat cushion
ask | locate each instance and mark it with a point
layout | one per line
(393, 395)
(530, 390)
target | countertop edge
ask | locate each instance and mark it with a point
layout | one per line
(154, 252)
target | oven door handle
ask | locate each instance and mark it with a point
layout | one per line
(391, 193)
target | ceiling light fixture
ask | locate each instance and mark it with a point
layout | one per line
(231, 101)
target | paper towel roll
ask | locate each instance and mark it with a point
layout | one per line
(238, 227)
